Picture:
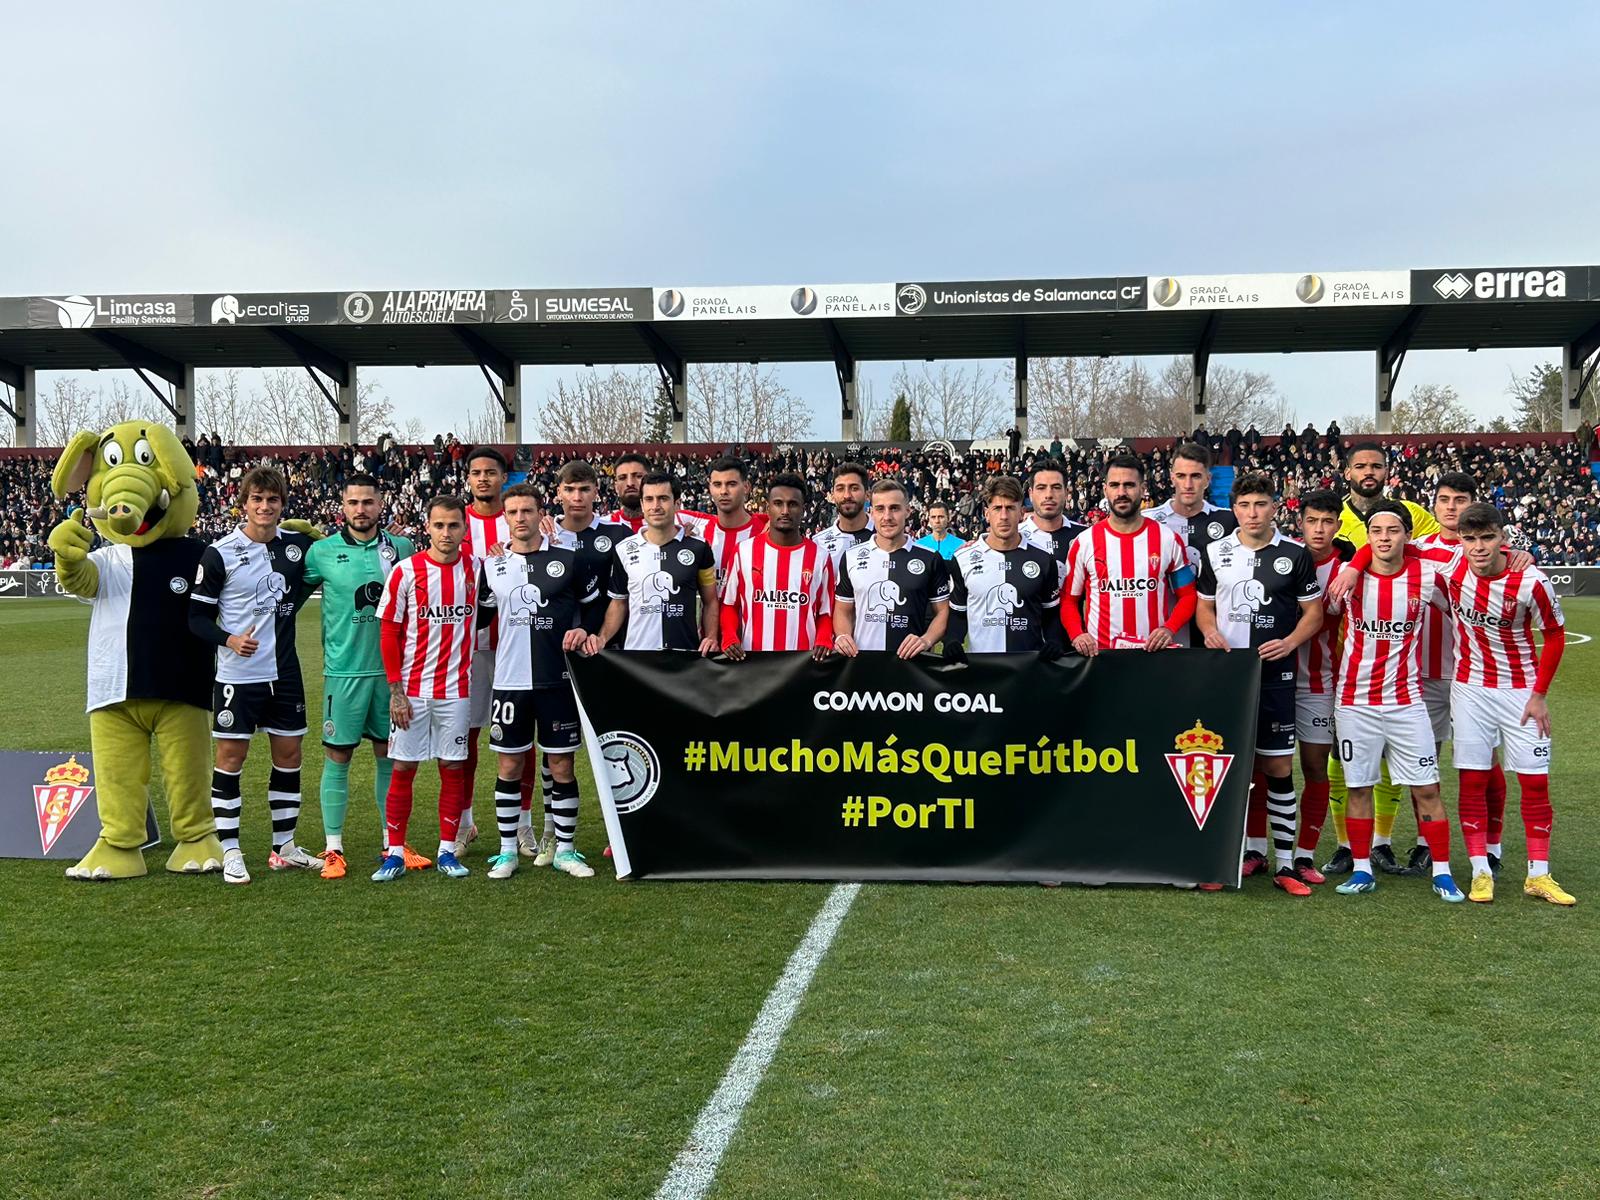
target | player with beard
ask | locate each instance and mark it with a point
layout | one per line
(779, 592)
(352, 566)
(730, 523)
(1047, 526)
(1134, 575)
(851, 525)
(1191, 516)
(890, 596)
(1003, 588)
(485, 532)
(1259, 592)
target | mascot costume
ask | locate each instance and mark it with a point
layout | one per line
(149, 677)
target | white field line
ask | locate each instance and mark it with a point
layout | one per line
(696, 1165)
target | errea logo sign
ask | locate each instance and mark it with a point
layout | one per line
(1535, 283)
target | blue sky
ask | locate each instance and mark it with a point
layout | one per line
(328, 146)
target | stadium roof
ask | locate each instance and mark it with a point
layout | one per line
(1387, 312)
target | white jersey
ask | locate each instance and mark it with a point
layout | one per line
(482, 532)
(892, 592)
(1318, 659)
(836, 541)
(1438, 628)
(662, 585)
(535, 598)
(255, 585)
(1494, 621)
(1003, 601)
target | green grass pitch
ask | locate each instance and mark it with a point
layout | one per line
(551, 1036)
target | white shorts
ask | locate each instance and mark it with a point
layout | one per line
(1436, 694)
(1369, 734)
(1488, 717)
(1313, 718)
(438, 730)
(482, 687)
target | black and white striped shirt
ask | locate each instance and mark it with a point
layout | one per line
(893, 592)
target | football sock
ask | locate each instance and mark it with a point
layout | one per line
(1255, 818)
(283, 798)
(1537, 819)
(1473, 810)
(1280, 810)
(383, 768)
(564, 811)
(1436, 834)
(1313, 812)
(452, 791)
(398, 810)
(225, 804)
(507, 810)
(1338, 795)
(467, 819)
(1497, 806)
(1385, 806)
(525, 821)
(547, 782)
(334, 792)
(1361, 842)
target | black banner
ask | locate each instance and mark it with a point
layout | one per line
(1003, 296)
(1128, 768)
(1574, 581)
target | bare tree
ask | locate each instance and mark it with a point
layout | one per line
(71, 406)
(1361, 423)
(486, 423)
(1432, 408)
(1234, 399)
(952, 401)
(1076, 397)
(594, 407)
(743, 402)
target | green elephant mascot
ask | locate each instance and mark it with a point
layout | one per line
(149, 677)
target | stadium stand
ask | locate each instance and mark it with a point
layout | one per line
(1545, 483)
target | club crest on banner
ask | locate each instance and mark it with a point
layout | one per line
(1199, 766)
(60, 798)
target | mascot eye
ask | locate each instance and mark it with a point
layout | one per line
(112, 454)
(142, 453)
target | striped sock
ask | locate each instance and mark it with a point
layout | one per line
(548, 784)
(283, 798)
(507, 811)
(225, 805)
(1281, 812)
(564, 812)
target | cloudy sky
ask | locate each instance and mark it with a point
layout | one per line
(177, 147)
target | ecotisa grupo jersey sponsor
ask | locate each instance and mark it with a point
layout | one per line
(534, 600)
(1495, 619)
(1258, 594)
(780, 595)
(259, 585)
(1208, 525)
(1126, 580)
(662, 585)
(1004, 600)
(435, 604)
(893, 592)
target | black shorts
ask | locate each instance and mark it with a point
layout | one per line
(550, 712)
(1275, 721)
(240, 710)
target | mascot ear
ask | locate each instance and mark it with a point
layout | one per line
(75, 465)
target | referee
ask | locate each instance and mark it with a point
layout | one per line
(656, 576)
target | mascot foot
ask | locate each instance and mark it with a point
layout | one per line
(196, 857)
(108, 862)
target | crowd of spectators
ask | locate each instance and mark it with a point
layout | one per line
(1548, 490)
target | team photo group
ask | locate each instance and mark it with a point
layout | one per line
(1384, 630)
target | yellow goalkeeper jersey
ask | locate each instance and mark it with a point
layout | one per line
(1353, 529)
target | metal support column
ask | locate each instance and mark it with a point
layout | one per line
(844, 365)
(1019, 411)
(1200, 366)
(23, 404)
(674, 377)
(1391, 357)
(1579, 358)
(183, 404)
(511, 401)
(348, 407)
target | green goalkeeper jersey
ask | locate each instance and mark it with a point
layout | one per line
(352, 575)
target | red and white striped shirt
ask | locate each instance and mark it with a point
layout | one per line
(1382, 659)
(1318, 656)
(1125, 577)
(437, 606)
(724, 542)
(1494, 621)
(1438, 629)
(779, 597)
(483, 532)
